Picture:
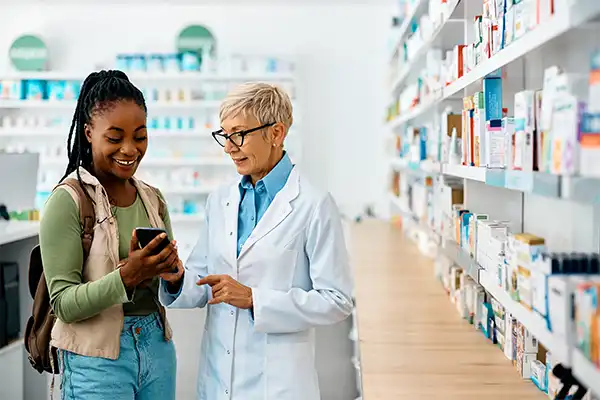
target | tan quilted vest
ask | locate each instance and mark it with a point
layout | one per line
(99, 336)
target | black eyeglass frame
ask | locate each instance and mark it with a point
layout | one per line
(241, 134)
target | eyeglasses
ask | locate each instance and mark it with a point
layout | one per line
(237, 138)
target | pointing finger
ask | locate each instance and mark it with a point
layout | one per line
(210, 280)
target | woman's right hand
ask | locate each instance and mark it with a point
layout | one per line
(141, 265)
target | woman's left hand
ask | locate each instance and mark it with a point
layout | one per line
(225, 289)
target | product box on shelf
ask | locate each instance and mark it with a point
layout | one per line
(525, 250)
(494, 145)
(492, 90)
(467, 131)
(587, 318)
(538, 375)
(473, 232)
(524, 148)
(478, 129)
(510, 337)
(589, 164)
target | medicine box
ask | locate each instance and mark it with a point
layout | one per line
(492, 90)
(524, 131)
(587, 317)
(509, 340)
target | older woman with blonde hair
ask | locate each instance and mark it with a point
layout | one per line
(270, 264)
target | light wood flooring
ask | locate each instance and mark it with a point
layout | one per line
(413, 343)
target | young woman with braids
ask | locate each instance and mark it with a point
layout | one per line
(113, 338)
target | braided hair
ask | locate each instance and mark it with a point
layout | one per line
(99, 93)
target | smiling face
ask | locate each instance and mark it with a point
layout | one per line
(261, 149)
(119, 140)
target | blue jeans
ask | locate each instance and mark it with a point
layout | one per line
(145, 369)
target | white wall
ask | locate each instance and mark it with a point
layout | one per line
(340, 52)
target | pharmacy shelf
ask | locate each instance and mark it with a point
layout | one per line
(425, 47)
(156, 162)
(586, 372)
(62, 132)
(422, 168)
(534, 323)
(416, 111)
(460, 257)
(418, 8)
(582, 11)
(465, 172)
(581, 189)
(404, 210)
(70, 105)
(157, 76)
(531, 320)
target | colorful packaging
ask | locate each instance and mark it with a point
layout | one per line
(11, 90)
(156, 63)
(138, 63)
(71, 90)
(190, 61)
(35, 90)
(56, 90)
(123, 62)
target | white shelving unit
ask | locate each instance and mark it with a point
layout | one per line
(563, 209)
(172, 153)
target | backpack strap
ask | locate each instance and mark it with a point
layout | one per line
(87, 214)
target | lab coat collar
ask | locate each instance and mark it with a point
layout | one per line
(277, 212)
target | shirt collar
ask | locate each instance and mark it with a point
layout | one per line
(275, 179)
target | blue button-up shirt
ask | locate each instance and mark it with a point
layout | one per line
(254, 200)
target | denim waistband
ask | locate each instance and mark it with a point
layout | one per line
(141, 323)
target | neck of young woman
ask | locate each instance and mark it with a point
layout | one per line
(116, 188)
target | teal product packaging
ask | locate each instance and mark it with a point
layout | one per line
(123, 62)
(172, 63)
(465, 219)
(190, 207)
(189, 123)
(11, 90)
(156, 63)
(153, 123)
(138, 63)
(176, 123)
(492, 90)
(272, 64)
(166, 123)
(190, 61)
(35, 89)
(71, 90)
(56, 90)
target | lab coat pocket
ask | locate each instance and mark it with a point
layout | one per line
(290, 367)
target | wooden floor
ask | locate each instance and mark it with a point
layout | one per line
(413, 344)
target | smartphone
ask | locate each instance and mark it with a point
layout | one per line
(145, 236)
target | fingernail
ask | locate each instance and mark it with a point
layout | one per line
(163, 235)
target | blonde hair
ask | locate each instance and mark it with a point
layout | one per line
(267, 103)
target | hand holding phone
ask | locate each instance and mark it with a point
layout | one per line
(158, 256)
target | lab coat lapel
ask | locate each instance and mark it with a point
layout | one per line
(231, 207)
(277, 212)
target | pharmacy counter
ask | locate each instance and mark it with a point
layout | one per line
(14, 231)
(413, 343)
(18, 381)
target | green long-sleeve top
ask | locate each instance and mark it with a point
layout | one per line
(62, 257)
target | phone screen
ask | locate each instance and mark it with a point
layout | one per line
(145, 236)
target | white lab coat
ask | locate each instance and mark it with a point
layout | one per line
(296, 263)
